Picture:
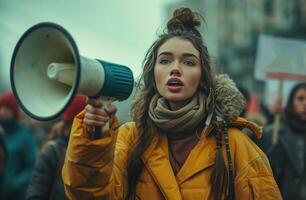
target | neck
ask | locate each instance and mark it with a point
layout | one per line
(296, 124)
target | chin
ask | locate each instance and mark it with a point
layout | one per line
(176, 96)
(177, 99)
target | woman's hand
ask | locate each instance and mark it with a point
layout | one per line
(95, 115)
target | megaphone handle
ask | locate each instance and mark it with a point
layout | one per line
(98, 130)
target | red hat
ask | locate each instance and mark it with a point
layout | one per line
(8, 99)
(75, 107)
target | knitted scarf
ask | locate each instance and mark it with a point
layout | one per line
(186, 118)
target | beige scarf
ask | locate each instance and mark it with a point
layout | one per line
(184, 119)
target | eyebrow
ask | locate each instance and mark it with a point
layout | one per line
(166, 53)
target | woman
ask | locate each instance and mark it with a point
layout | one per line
(177, 147)
(46, 181)
(288, 156)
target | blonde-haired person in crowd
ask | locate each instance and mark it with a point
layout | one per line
(185, 140)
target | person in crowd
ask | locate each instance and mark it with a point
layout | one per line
(46, 181)
(288, 155)
(41, 129)
(251, 112)
(20, 147)
(3, 156)
(185, 140)
(271, 110)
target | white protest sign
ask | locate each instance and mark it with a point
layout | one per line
(280, 58)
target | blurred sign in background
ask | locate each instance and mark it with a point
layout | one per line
(280, 59)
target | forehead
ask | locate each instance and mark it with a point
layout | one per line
(178, 46)
(301, 91)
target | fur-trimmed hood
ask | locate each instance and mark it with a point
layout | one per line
(227, 97)
(230, 103)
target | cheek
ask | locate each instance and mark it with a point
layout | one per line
(158, 78)
(194, 80)
(160, 73)
(299, 109)
(296, 106)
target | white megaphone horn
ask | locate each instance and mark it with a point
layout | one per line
(47, 71)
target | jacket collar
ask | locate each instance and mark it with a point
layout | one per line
(157, 163)
(200, 158)
(156, 160)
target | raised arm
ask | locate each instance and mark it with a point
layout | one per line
(89, 163)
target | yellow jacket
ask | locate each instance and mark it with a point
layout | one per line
(95, 169)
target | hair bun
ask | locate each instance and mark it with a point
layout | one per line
(184, 19)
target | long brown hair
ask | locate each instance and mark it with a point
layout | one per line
(289, 109)
(183, 24)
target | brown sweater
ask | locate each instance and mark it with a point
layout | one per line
(180, 146)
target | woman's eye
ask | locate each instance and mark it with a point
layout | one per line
(164, 62)
(189, 63)
(300, 98)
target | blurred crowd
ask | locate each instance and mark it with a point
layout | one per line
(32, 152)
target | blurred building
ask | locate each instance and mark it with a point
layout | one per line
(234, 27)
(242, 21)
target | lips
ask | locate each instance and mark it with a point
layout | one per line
(174, 85)
(174, 82)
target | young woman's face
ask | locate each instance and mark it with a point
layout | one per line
(177, 71)
(299, 103)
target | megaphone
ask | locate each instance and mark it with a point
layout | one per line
(47, 71)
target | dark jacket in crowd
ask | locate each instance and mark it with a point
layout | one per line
(288, 155)
(46, 182)
(287, 159)
(3, 155)
(21, 152)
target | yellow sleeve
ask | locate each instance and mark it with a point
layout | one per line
(253, 175)
(88, 163)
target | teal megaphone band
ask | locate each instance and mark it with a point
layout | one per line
(119, 81)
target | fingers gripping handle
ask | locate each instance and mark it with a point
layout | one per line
(99, 130)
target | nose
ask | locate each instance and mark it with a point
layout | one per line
(175, 69)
